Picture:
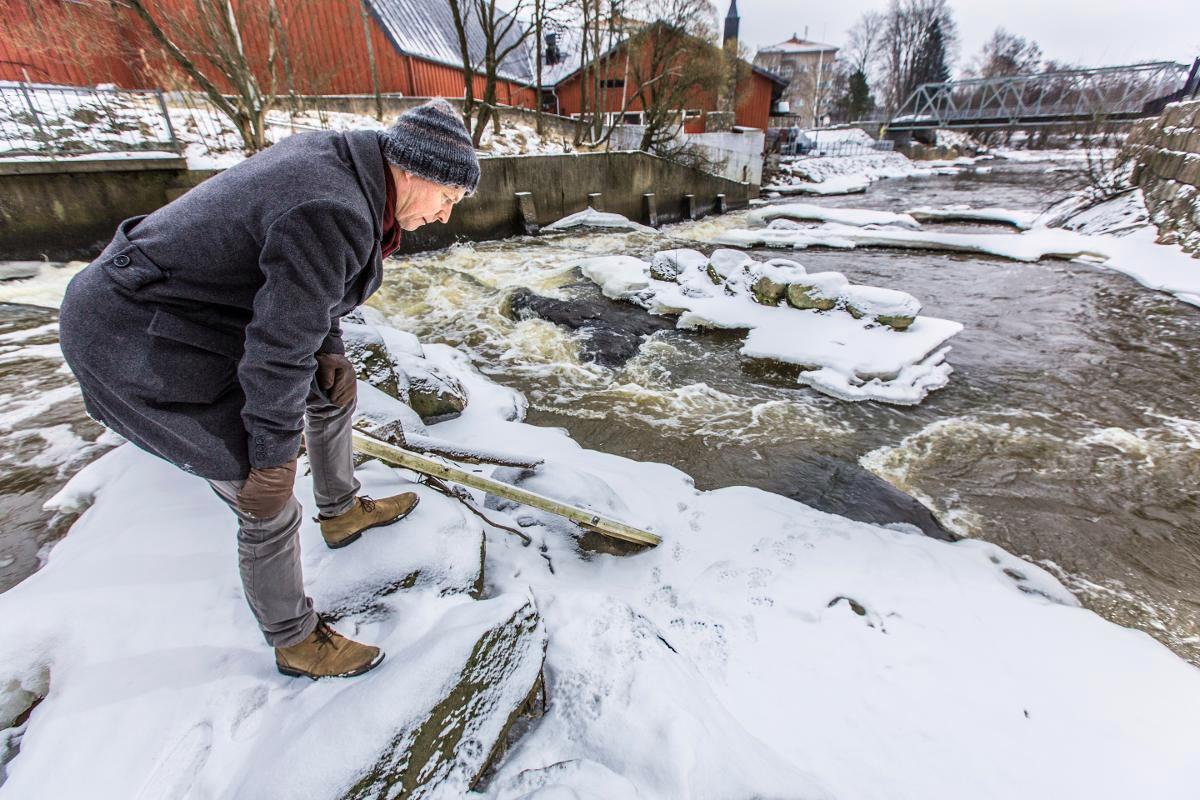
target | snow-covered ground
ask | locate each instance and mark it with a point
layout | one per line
(68, 120)
(842, 336)
(850, 174)
(763, 650)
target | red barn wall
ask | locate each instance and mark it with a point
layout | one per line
(41, 39)
(325, 40)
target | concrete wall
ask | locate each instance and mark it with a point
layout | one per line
(1165, 157)
(69, 209)
(735, 155)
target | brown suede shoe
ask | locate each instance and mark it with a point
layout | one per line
(326, 654)
(341, 530)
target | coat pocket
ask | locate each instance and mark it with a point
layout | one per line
(192, 363)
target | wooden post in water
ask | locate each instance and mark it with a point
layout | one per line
(595, 201)
(722, 206)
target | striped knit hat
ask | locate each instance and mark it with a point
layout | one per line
(431, 142)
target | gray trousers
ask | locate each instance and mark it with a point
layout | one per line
(269, 549)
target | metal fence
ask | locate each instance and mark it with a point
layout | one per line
(39, 119)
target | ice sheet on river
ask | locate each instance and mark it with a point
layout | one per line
(747, 656)
(1130, 248)
(849, 357)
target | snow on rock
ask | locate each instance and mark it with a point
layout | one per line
(844, 216)
(845, 184)
(961, 213)
(765, 649)
(157, 682)
(618, 277)
(591, 218)
(393, 362)
(871, 336)
(895, 309)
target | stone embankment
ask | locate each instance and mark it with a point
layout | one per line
(1165, 155)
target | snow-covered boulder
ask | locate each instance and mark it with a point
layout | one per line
(897, 310)
(667, 264)
(854, 343)
(393, 362)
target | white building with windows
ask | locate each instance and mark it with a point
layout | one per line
(807, 66)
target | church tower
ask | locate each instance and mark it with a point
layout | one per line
(731, 25)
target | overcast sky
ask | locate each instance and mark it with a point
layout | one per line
(1084, 32)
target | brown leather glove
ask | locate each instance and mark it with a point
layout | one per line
(335, 374)
(267, 490)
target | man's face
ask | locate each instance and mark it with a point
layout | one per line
(419, 202)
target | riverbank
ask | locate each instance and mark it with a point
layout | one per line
(754, 613)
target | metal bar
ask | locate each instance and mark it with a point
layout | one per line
(37, 119)
(398, 456)
(162, 104)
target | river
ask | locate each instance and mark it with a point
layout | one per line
(1069, 433)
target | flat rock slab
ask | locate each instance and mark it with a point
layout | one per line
(156, 679)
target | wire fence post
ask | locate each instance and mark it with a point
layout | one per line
(162, 104)
(37, 119)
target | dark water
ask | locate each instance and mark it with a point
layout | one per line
(1069, 432)
(45, 437)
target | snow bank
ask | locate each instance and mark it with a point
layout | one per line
(844, 184)
(845, 216)
(1029, 246)
(765, 649)
(961, 213)
(591, 218)
(851, 174)
(871, 337)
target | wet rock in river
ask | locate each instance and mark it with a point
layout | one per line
(613, 332)
(847, 489)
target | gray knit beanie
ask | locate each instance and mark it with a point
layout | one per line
(431, 142)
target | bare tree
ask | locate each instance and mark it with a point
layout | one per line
(213, 31)
(863, 42)
(366, 21)
(919, 40)
(1005, 55)
(502, 33)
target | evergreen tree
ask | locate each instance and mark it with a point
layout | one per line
(859, 101)
(931, 66)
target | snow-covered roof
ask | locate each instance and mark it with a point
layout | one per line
(425, 29)
(795, 45)
(568, 40)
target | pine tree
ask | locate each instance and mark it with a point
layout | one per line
(858, 96)
(931, 65)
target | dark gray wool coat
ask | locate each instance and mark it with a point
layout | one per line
(194, 333)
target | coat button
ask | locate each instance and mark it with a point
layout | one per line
(121, 261)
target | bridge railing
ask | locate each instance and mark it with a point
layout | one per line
(1046, 99)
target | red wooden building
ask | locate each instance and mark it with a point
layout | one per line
(323, 43)
(324, 46)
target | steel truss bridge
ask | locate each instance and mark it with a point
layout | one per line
(1070, 97)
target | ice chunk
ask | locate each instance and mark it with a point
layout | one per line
(618, 277)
